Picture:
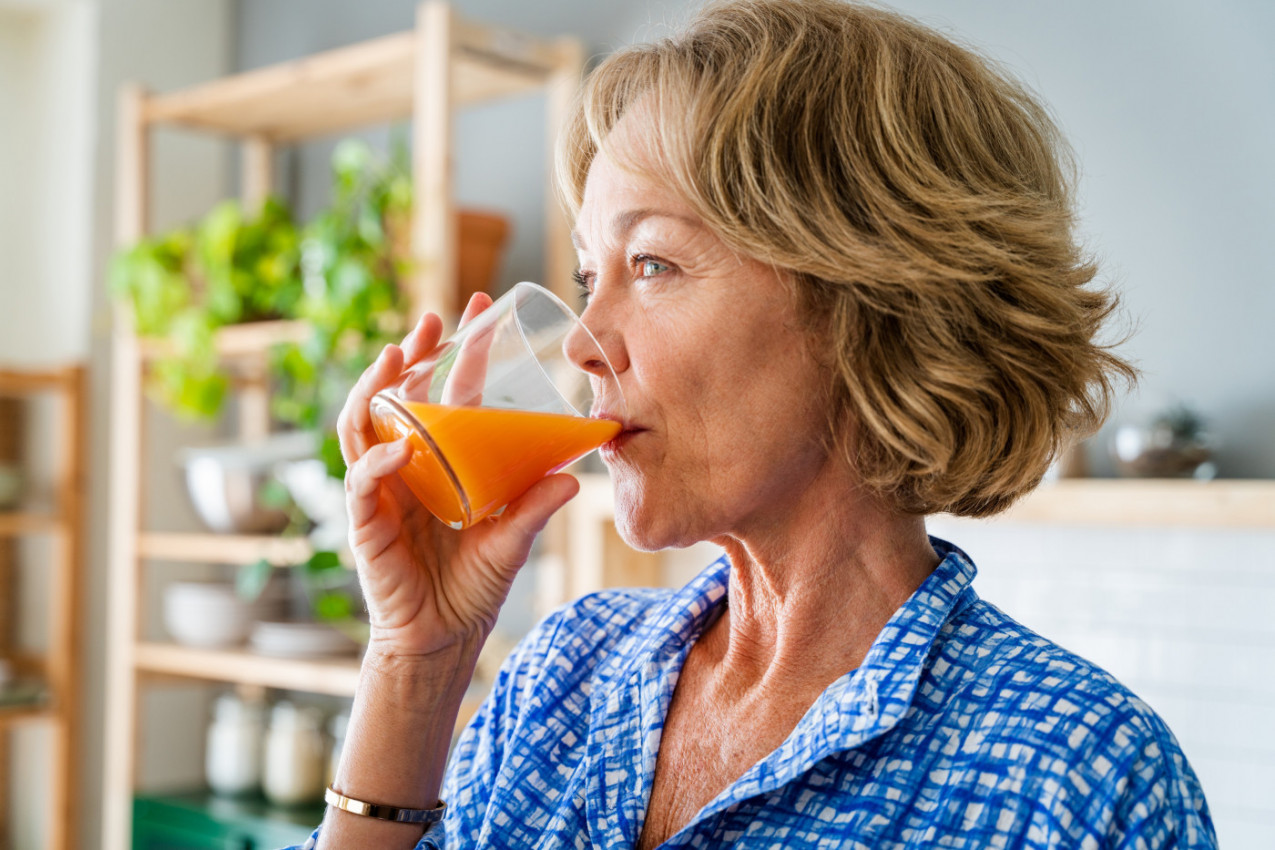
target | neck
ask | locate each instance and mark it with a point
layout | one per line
(811, 587)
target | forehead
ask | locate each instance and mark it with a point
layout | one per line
(626, 184)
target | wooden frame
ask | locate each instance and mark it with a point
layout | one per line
(424, 76)
(61, 664)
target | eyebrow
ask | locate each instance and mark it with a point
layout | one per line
(629, 219)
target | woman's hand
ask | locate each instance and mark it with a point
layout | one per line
(427, 586)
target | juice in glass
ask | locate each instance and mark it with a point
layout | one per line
(468, 462)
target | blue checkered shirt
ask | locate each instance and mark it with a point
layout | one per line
(961, 729)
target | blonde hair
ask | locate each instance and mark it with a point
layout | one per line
(919, 199)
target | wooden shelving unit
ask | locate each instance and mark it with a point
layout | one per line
(58, 667)
(422, 76)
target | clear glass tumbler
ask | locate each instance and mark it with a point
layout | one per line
(499, 405)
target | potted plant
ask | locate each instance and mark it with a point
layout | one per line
(185, 284)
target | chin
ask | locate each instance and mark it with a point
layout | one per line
(650, 522)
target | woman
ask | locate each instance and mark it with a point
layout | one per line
(829, 255)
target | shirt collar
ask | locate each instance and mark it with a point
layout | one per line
(863, 704)
(870, 701)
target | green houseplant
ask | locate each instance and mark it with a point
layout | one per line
(354, 260)
(185, 284)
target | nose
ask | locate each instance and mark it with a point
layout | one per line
(589, 357)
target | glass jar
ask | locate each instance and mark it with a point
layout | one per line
(232, 762)
(294, 763)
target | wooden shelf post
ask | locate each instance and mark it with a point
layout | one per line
(434, 219)
(124, 587)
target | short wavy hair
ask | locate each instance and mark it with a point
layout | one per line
(920, 201)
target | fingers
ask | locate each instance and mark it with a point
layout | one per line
(465, 381)
(478, 302)
(363, 480)
(354, 425)
(423, 339)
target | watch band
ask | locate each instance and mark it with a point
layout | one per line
(425, 817)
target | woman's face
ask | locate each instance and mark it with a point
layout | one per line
(725, 415)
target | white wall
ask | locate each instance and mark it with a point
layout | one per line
(45, 57)
(164, 46)
(46, 122)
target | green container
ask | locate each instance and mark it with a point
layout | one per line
(200, 820)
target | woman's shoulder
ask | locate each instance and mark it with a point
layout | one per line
(1019, 698)
(603, 619)
(991, 660)
(1001, 658)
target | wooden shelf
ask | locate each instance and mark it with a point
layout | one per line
(222, 548)
(356, 86)
(336, 676)
(246, 340)
(14, 714)
(1227, 503)
(23, 382)
(16, 523)
(1151, 502)
(333, 676)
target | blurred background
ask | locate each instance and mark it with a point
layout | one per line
(1153, 554)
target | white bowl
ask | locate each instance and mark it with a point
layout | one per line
(206, 614)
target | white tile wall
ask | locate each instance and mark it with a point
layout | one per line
(1184, 617)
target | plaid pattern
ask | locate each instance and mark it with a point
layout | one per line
(962, 729)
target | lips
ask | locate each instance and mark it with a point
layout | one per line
(617, 443)
(628, 430)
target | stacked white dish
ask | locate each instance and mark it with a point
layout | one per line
(299, 640)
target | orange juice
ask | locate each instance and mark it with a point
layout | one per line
(475, 460)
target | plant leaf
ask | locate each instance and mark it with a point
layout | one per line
(251, 579)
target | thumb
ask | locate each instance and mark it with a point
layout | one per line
(526, 516)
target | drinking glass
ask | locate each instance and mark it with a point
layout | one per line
(499, 405)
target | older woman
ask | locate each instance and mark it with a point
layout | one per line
(829, 255)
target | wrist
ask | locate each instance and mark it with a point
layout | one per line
(420, 678)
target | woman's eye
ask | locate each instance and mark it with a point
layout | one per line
(650, 268)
